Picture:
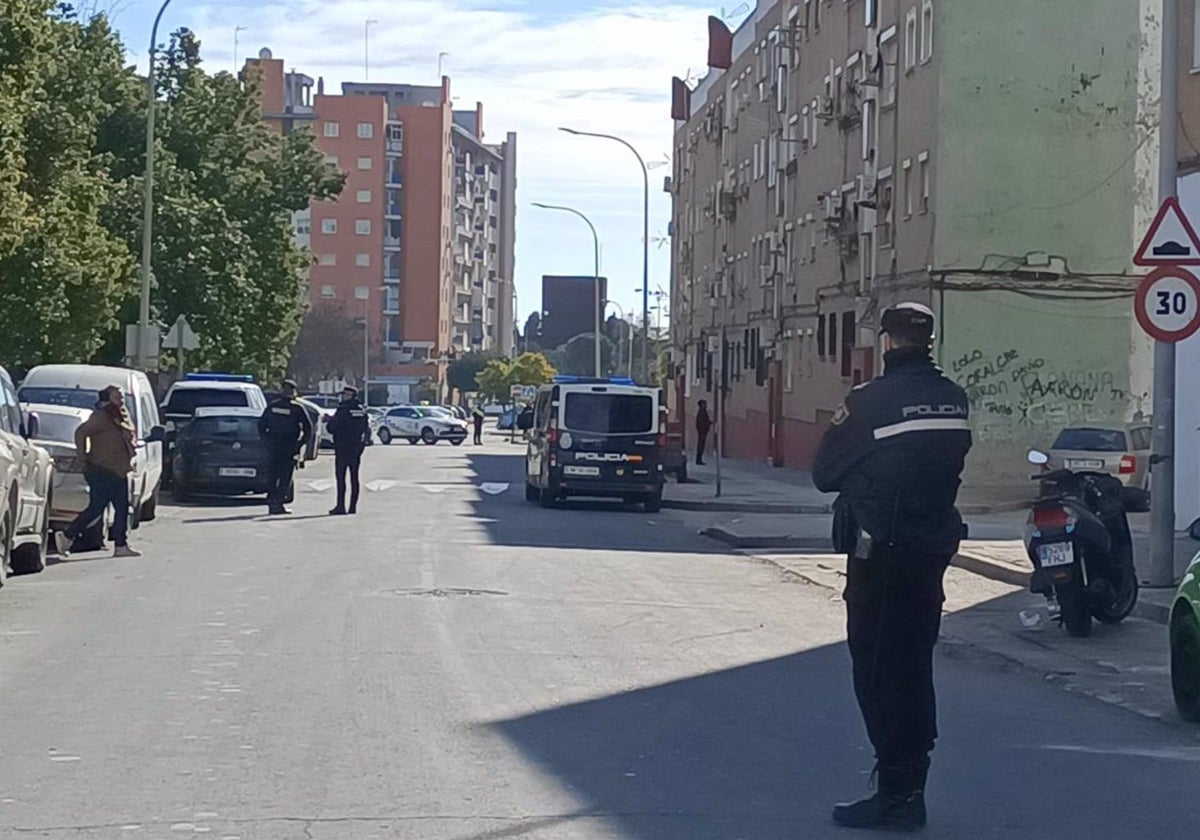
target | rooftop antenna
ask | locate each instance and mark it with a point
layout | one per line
(741, 9)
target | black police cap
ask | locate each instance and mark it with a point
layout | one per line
(909, 321)
(290, 383)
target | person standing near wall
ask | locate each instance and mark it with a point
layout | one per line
(703, 427)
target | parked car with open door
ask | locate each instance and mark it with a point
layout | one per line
(26, 487)
(79, 386)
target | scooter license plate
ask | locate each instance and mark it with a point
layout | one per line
(1056, 554)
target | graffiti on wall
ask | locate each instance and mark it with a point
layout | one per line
(1014, 394)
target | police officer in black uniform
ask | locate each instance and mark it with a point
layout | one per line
(286, 429)
(350, 431)
(894, 453)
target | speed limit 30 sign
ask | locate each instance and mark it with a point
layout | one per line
(1167, 304)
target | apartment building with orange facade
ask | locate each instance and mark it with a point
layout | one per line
(390, 250)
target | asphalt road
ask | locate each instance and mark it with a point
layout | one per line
(456, 663)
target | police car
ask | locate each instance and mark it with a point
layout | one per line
(595, 437)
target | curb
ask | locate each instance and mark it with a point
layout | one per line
(984, 510)
(988, 568)
(718, 506)
(735, 540)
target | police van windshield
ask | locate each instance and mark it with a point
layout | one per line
(609, 414)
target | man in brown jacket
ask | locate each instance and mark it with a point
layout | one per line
(105, 442)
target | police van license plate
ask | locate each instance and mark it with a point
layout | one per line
(1056, 554)
(238, 472)
(581, 471)
(1085, 465)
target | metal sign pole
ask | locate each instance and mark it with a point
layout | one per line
(1162, 512)
(719, 429)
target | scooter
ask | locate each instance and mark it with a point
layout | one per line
(1078, 539)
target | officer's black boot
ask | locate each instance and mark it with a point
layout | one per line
(899, 805)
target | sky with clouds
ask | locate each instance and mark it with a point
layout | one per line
(594, 65)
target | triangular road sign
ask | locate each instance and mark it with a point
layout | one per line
(1171, 239)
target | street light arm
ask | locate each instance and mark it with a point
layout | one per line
(154, 29)
(596, 274)
(142, 357)
(645, 235)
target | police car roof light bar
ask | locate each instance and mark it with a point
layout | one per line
(218, 377)
(591, 380)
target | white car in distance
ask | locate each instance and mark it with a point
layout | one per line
(421, 423)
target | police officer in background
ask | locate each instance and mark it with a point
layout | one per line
(350, 431)
(286, 429)
(894, 453)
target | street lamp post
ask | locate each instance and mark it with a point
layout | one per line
(595, 274)
(628, 326)
(237, 30)
(148, 201)
(363, 293)
(367, 48)
(645, 239)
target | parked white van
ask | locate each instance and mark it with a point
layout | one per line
(79, 386)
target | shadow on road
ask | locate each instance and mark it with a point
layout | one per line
(760, 752)
(574, 524)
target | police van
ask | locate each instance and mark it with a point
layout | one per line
(595, 437)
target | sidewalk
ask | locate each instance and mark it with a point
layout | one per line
(751, 487)
(1006, 561)
(1125, 665)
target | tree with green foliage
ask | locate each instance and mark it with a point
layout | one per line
(63, 275)
(462, 372)
(72, 157)
(493, 380)
(498, 376)
(531, 369)
(324, 349)
(226, 189)
(578, 356)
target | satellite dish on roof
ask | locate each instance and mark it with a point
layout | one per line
(264, 54)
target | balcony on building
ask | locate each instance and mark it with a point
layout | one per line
(393, 233)
(395, 139)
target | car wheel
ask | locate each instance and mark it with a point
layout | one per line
(180, 492)
(429, 436)
(532, 494)
(457, 442)
(1185, 663)
(30, 559)
(653, 502)
(6, 544)
(385, 436)
(150, 507)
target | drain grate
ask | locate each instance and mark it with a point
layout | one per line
(447, 592)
